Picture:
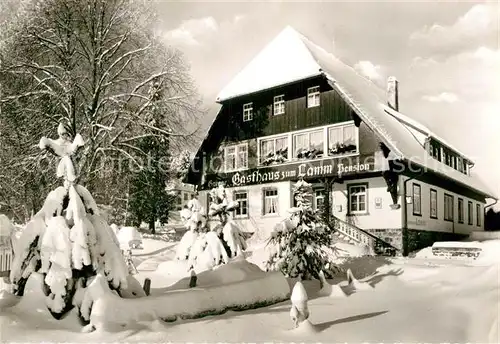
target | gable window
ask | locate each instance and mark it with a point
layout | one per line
(279, 105)
(236, 157)
(460, 210)
(247, 112)
(313, 96)
(478, 215)
(417, 200)
(273, 151)
(308, 145)
(434, 200)
(270, 204)
(242, 198)
(342, 139)
(470, 213)
(357, 195)
(448, 207)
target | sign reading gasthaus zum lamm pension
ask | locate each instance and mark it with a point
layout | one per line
(306, 169)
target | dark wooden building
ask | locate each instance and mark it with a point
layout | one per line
(296, 111)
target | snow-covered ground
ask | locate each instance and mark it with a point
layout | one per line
(421, 299)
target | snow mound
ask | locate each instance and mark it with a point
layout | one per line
(235, 271)
(128, 236)
(305, 328)
(490, 252)
(8, 299)
(172, 268)
(110, 312)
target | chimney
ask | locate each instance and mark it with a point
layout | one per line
(392, 93)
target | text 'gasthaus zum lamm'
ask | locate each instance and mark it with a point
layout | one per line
(303, 171)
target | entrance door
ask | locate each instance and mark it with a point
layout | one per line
(318, 198)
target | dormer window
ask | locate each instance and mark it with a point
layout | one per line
(279, 105)
(247, 112)
(313, 96)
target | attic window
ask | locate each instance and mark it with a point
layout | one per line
(247, 112)
(313, 96)
(279, 105)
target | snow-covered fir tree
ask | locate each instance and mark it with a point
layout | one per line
(67, 240)
(303, 248)
(205, 247)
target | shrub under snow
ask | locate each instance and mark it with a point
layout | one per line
(205, 248)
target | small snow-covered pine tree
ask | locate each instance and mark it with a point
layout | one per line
(302, 249)
(203, 247)
(68, 241)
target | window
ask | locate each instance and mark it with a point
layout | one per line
(247, 112)
(242, 198)
(470, 213)
(313, 96)
(448, 207)
(279, 105)
(478, 215)
(273, 150)
(236, 157)
(460, 210)
(435, 150)
(270, 205)
(460, 165)
(319, 199)
(308, 145)
(434, 200)
(464, 167)
(186, 197)
(357, 199)
(417, 200)
(342, 140)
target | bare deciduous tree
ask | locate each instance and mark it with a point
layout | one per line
(97, 66)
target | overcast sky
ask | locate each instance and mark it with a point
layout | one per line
(445, 55)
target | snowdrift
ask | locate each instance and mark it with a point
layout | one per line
(480, 252)
(237, 285)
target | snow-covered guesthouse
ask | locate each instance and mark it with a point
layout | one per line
(296, 111)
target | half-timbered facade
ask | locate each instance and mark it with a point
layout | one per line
(296, 111)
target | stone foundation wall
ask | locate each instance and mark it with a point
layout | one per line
(420, 239)
(392, 236)
(416, 239)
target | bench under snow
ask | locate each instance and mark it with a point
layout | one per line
(456, 248)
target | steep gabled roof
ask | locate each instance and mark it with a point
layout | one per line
(292, 57)
(284, 60)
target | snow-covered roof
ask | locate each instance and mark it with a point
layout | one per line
(424, 130)
(291, 57)
(283, 60)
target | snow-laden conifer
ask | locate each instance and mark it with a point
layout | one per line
(67, 240)
(302, 248)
